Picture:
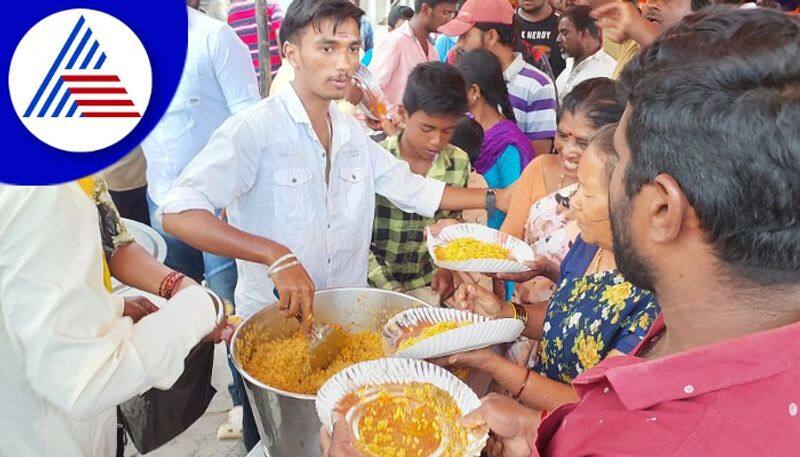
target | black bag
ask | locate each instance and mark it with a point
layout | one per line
(157, 416)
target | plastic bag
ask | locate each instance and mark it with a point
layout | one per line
(157, 416)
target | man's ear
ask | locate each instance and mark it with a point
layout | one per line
(667, 208)
(425, 10)
(290, 52)
(492, 38)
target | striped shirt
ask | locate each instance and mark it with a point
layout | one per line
(533, 97)
(242, 17)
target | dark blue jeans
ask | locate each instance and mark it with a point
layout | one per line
(249, 427)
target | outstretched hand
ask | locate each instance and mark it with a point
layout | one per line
(478, 300)
(513, 425)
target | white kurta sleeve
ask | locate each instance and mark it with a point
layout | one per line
(76, 349)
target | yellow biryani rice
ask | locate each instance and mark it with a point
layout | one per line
(282, 362)
(428, 331)
(406, 420)
(461, 249)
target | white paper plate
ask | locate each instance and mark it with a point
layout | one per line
(397, 371)
(147, 238)
(520, 251)
(481, 333)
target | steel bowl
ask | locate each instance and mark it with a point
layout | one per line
(287, 422)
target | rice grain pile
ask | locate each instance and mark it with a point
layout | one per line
(461, 249)
(282, 362)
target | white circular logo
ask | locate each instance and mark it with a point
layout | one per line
(80, 80)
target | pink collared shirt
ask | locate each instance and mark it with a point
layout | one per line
(738, 397)
(394, 59)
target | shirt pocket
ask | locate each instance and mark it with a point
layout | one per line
(357, 190)
(292, 196)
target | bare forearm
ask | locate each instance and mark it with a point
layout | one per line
(461, 198)
(536, 313)
(540, 392)
(205, 232)
(134, 266)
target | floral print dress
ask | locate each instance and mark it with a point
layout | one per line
(587, 317)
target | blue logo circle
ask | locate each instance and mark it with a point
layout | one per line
(86, 99)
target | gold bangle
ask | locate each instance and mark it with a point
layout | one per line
(513, 308)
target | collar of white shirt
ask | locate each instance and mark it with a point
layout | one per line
(294, 106)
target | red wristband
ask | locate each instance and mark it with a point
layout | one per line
(168, 284)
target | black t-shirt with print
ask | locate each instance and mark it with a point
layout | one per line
(542, 35)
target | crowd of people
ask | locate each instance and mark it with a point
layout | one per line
(648, 153)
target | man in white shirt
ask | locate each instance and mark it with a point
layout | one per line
(298, 178)
(68, 356)
(218, 81)
(579, 40)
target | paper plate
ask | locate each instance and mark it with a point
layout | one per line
(520, 251)
(373, 94)
(481, 333)
(397, 371)
(149, 239)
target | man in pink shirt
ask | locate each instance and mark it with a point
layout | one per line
(705, 203)
(408, 46)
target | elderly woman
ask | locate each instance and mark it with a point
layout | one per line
(593, 313)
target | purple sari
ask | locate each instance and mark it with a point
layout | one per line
(497, 139)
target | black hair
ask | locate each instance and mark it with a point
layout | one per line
(603, 139)
(435, 88)
(724, 121)
(399, 12)
(507, 33)
(432, 3)
(697, 5)
(468, 136)
(483, 69)
(580, 17)
(597, 99)
(304, 12)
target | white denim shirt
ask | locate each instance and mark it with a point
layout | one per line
(218, 80)
(67, 355)
(597, 65)
(267, 167)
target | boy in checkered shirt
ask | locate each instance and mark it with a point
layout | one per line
(434, 101)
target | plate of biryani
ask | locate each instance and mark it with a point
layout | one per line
(478, 249)
(402, 407)
(437, 332)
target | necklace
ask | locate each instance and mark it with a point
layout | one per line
(600, 252)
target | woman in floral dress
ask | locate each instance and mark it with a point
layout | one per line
(594, 313)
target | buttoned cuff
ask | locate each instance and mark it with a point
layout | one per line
(430, 199)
